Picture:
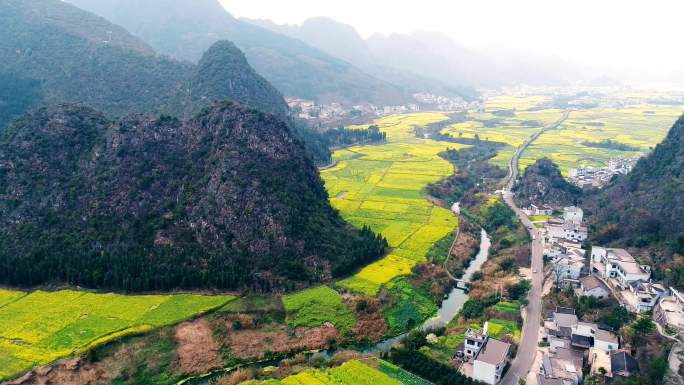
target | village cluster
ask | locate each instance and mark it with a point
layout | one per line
(570, 344)
(600, 176)
(599, 273)
(335, 112)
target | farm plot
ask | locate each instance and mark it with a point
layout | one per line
(41, 327)
(512, 127)
(382, 187)
(350, 373)
(316, 306)
(640, 127)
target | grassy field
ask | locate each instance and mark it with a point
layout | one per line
(382, 186)
(641, 127)
(350, 373)
(40, 327)
(316, 306)
(499, 328)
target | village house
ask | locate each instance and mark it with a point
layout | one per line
(491, 361)
(670, 310)
(540, 210)
(565, 365)
(618, 266)
(474, 341)
(566, 230)
(573, 214)
(605, 340)
(622, 364)
(568, 270)
(643, 296)
(591, 286)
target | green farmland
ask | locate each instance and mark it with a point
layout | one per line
(382, 186)
(40, 327)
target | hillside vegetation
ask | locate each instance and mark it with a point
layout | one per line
(184, 30)
(542, 182)
(55, 53)
(646, 206)
(228, 199)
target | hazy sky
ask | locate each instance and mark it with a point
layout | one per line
(621, 35)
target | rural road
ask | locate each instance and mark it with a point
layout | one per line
(530, 332)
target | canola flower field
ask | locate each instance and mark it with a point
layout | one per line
(352, 372)
(382, 187)
(41, 327)
(641, 127)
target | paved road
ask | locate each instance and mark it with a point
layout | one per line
(530, 334)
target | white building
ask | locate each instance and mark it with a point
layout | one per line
(568, 269)
(618, 266)
(540, 209)
(606, 341)
(473, 342)
(573, 214)
(490, 361)
(591, 286)
(567, 230)
(645, 295)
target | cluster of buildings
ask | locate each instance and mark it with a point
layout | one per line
(446, 103)
(600, 273)
(574, 345)
(310, 110)
(484, 358)
(600, 176)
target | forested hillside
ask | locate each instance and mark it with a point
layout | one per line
(185, 29)
(542, 182)
(228, 199)
(646, 206)
(54, 52)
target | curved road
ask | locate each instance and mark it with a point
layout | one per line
(530, 333)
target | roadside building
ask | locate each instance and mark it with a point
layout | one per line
(490, 361)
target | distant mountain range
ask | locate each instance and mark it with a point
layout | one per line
(185, 29)
(430, 61)
(54, 53)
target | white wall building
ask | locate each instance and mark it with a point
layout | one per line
(606, 341)
(490, 361)
(591, 286)
(618, 265)
(573, 214)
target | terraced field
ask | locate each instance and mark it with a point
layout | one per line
(350, 373)
(382, 186)
(40, 327)
(641, 127)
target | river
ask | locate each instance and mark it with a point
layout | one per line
(449, 308)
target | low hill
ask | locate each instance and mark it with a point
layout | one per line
(55, 53)
(227, 199)
(185, 29)
(646, 206)
(542, 182)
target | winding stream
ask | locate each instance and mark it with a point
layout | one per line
(449, 308)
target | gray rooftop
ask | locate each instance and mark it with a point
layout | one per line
(494, 352)
(565, 320)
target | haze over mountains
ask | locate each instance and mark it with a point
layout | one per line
(431, 57)
(54, 53)
(184, 30)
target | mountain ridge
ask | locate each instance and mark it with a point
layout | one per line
(226, 200)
